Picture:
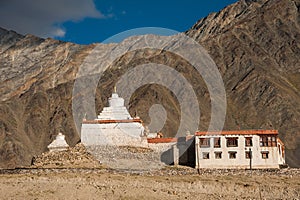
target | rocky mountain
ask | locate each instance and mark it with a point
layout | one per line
(257, 48)
(255, 44)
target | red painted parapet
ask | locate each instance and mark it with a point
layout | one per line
(161, 140)
(108, 121)
(238, 132)
(168, 140)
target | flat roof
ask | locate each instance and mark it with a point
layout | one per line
(238, 132)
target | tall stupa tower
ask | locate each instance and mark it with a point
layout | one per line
(113, 126)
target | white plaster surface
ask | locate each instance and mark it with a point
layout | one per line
(121, 133)
(240, 161)
(58, 144)
(116, 109)
(113, 134)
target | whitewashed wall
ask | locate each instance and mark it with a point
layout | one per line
(240, 161)
(111, 134)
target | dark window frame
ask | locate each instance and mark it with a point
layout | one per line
(205, 155)
(232, 154)
(217, 142)
(204, 142)
(248, 154)
(232, 142)
(265, 155)
(218, 153)
(248, 142)
(268, 141)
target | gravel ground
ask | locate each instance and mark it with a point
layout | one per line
(166, 184)
(137, 173)
(127, 158)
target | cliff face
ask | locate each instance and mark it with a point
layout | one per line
(36, 90)
(255, 45)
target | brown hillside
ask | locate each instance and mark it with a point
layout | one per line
(255, 44)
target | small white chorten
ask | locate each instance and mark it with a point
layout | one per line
(59, 144)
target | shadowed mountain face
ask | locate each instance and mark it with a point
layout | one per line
(255, 45)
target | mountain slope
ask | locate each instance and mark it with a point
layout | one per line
(255, 44)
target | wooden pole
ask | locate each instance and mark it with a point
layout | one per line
(197, 155)
(250, 152)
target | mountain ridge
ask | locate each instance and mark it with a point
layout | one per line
(255, 45)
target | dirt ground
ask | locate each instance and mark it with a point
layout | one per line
(103, 184)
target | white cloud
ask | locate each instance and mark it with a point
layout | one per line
(59, 32)
(43, 17)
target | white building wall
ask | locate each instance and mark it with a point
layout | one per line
(119, 134)
(281, 154)
(240, 161)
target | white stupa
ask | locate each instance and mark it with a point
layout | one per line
(115, 110)
(113, 126)
(58, 144)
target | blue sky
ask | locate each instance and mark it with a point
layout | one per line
(88, 21)
(178, 15)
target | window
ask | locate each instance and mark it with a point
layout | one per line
(267, 141)
(204, 142)
(232, 142)
(232, 154)
(263, 141)
(248, 154)
(248, 142)
(218, 155)
(274, 143)
(205, 155)
(265, 154)
(217, 142)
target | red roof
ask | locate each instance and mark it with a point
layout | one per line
(238, 132)
(167, 140)
(161, 140)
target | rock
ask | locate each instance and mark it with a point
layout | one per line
(127, 158)
(76, 157)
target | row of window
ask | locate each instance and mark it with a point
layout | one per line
(232, 155)
(230, 142)
(265, 141)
